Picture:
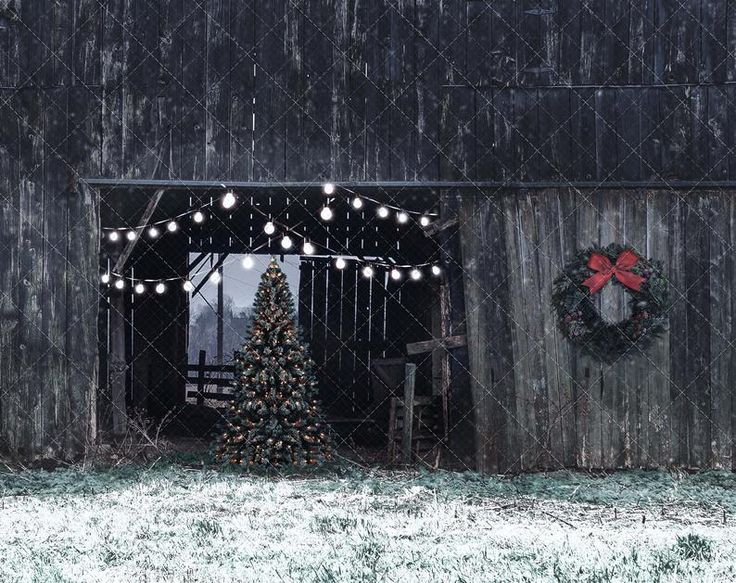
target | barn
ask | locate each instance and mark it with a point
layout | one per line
(510, 134)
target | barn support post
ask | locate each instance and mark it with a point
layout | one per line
(455, 376)
(118, 368)
(488, 331)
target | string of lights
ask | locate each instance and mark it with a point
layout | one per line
(371, 265)
(228, 201)
(383, 210)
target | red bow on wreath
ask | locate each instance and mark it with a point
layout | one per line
(605, 271)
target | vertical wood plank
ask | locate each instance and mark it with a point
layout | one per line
(660, 206)
(588, 371)
(697, 295)
(218, 93)
(720, 216)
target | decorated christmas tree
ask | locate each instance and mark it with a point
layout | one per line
(274, 419)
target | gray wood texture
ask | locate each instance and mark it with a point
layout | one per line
(670, 405)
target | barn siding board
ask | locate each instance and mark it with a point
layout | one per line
(713, 57)
(697, 292)
(720, 327)
(660, 410)
(218, 94)
(636, 372)
(242, 58)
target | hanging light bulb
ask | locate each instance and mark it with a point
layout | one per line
(247, 262)
(172, 227)
(382, 212)
(119, 284)
(308, 248)
(395, 274)
(415, 274)
(357, 203)
(131, 235)
(286, 242)
(340, 263)
(402, 217)
(139, 288)
(105, 278)
(326, 213)
(160, 287)
(328, 188)
(113, 236)
(424, 221)
(269, 228)
(215, 278)
(228, 201)
(368, 271)
(436, 270)
(198, 217)
(153, 232)
(188, 286)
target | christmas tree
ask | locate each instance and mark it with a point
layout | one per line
(274, 419)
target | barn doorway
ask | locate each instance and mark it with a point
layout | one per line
(367, 289)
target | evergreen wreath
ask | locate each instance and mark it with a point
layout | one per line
(578, 318)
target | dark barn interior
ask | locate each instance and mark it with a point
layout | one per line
(353, 324)
(532, 128)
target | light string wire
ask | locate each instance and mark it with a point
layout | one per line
(340, 259)
(364, 197)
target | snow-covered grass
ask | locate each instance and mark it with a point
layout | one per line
(177, 524)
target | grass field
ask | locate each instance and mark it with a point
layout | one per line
(170, 523)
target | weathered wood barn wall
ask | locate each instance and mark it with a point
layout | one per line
(516, 91)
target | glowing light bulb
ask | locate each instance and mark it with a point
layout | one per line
(368, 271)
(402, 217)
(436, 270)
(247, 262)
(286, 242)
(424, 221)
(172, 227)
(119, 284)
(228, 201)
(340, 263)
(395, 274)
(308, 248)
(328, 188)
(326, 213)
(105, 278)
(131, 235)
(215, 277)
(139, 288)
(357, 203)
(160, 288)
(188, 286)
(415, 274)
(153, 232)
(269, 228)
(113, 236)
(198, 217)
(382, 212)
